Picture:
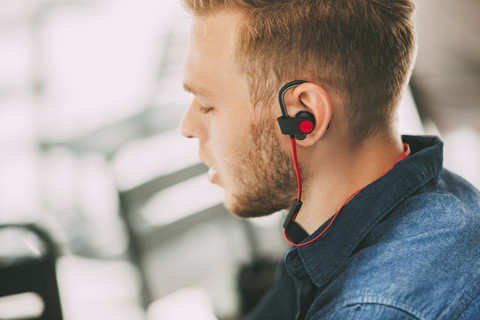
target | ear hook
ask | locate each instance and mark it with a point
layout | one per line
(299, 126)
(283, 90)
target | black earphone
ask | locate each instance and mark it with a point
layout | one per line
(297, 128)
(302, 124)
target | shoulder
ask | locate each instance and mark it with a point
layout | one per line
(447, 206)
(421, 262)
(371, 307)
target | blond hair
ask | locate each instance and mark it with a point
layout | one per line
(364, 49)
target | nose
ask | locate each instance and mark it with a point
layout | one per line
(192, 125)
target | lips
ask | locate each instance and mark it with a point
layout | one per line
(212, 175)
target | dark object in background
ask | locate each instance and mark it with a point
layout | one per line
(254, 280)
(28, 266)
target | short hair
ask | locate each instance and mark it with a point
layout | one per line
(363, 49)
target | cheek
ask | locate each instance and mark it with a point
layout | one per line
(231, 128)
(228, 143)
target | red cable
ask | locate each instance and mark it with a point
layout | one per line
(297, 169)
(299, 179)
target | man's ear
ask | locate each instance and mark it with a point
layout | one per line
(312, 98)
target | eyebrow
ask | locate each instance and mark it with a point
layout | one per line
(197, 91)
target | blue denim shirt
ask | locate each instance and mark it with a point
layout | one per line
(406, 247)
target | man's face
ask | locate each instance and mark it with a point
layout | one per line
(242, 146)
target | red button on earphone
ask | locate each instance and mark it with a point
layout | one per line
(306, 126)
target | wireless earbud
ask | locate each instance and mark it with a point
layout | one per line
(302, 124)
(297, 127)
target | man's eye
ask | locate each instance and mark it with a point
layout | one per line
(205, 109)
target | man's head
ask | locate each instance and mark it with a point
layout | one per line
(236, 142)
(242, 51)
(363, 49)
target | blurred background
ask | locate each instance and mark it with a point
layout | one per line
(106, 207)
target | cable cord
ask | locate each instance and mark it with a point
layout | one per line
(299, 181)
(297, 169)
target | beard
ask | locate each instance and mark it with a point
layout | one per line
(265, 174)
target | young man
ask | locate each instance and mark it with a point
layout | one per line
(384, 231)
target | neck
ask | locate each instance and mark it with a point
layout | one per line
(339, 173)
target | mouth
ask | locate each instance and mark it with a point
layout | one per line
(212, 175)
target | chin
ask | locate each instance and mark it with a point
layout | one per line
(244, 207)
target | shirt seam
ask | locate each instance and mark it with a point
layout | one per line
(468, 304)
(381, 301)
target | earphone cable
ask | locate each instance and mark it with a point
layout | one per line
(297, 169)
(404, 155)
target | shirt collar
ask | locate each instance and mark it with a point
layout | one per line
(358, 217)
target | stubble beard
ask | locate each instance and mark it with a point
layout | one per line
(265, 174)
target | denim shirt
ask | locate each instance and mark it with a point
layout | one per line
(405, 247)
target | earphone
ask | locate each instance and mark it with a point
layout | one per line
(296, 128)
(302, 124)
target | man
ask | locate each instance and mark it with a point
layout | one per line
(384, 231)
